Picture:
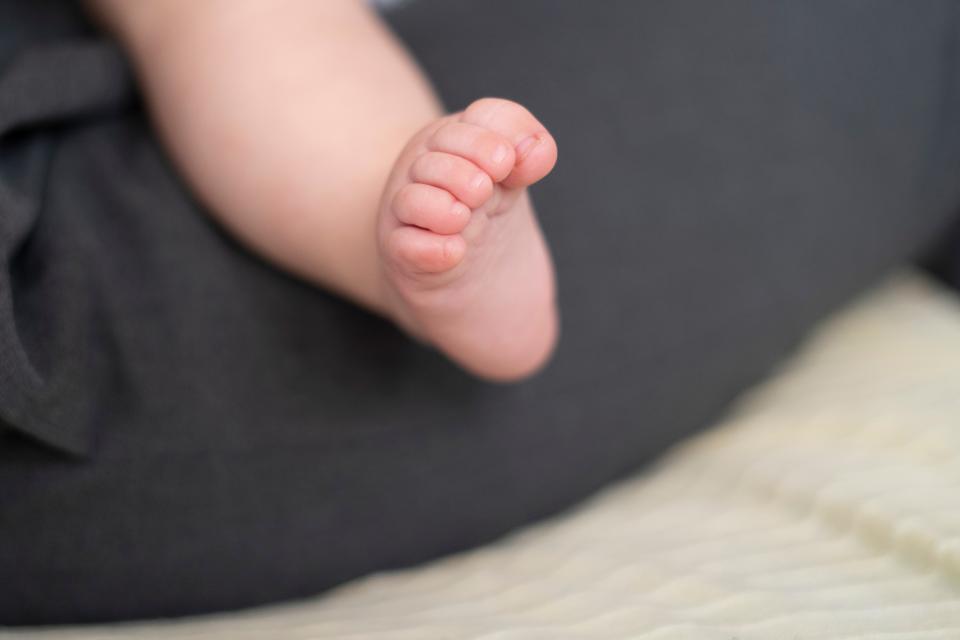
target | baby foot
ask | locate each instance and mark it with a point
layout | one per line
(465, 265)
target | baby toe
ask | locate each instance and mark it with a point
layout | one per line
(419, 251)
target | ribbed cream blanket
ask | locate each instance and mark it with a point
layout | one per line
(826, 506)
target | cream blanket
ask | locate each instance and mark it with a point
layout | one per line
(826, 506)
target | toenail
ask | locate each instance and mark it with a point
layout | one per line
(461, 210)
(500, 153)
(450, 249)
(479, 181)
(526, 146)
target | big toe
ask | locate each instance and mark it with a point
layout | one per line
(535, 148)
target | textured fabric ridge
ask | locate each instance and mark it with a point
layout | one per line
(826, 506)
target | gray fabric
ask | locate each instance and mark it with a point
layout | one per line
(188, 429)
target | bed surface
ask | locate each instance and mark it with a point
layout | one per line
(827, 505)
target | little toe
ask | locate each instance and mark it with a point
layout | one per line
(419, 251)
(430, 208)
(466, 181)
